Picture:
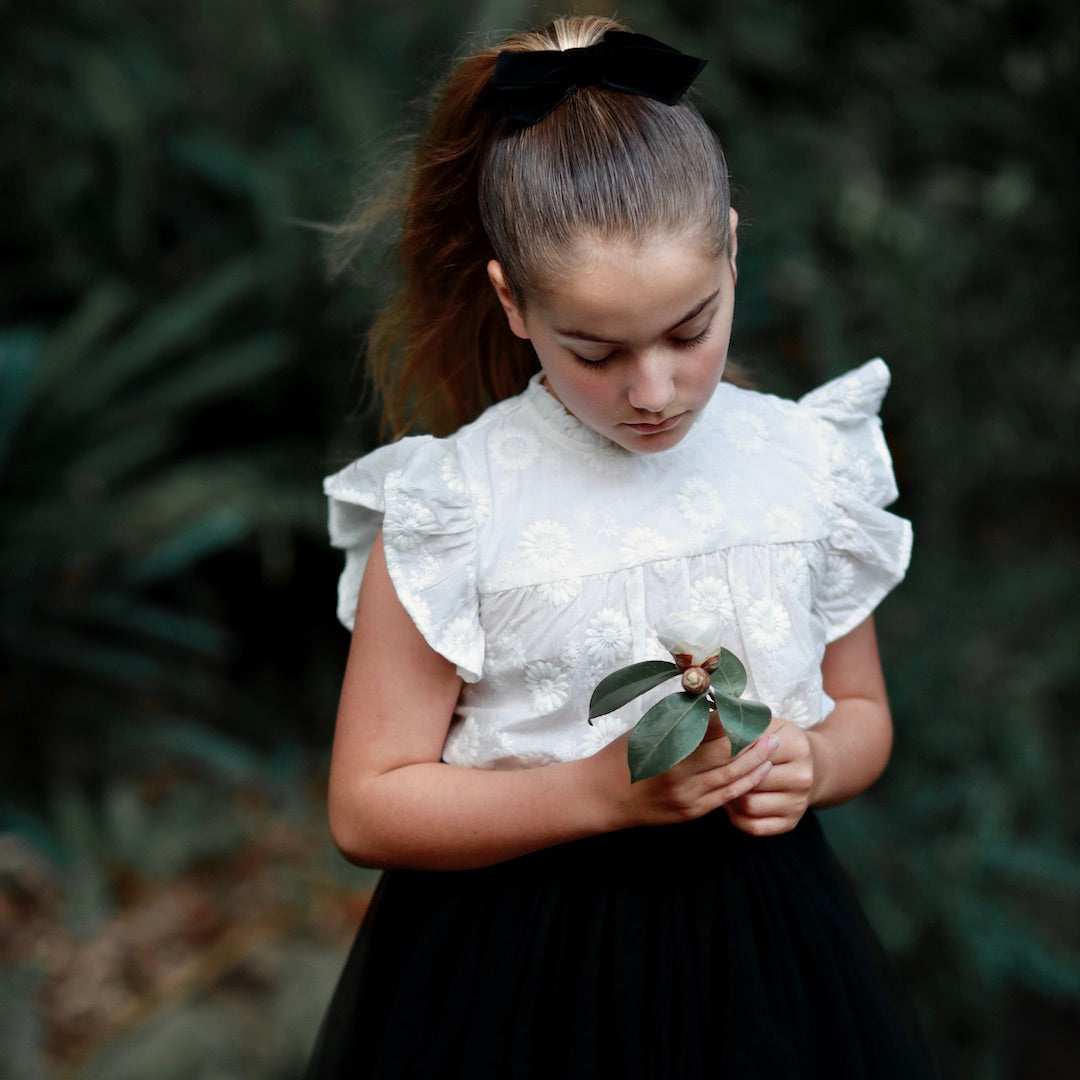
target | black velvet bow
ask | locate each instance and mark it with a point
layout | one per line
(526, 86)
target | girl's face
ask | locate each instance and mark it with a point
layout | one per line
(634, 337)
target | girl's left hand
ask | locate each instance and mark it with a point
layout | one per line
(783, 795)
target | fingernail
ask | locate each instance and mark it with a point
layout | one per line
(774, 742)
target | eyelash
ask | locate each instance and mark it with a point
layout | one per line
(686, 343)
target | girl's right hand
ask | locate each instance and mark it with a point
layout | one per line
(702, 782)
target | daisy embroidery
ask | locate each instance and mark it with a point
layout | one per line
(796, 706)
(847, 536)
(406, 523)
(548, 685)
(451, 476)
(546, 546)
(458, 637)
(746, 430)
(598, 734)
(784, 523)
(607, 637)
(425, 570)
(644, 543)
(793, 565)
(558, 594)
(839, 577)
(767, 624)
(515, 449)
(856, 472)
(699, 503)
(711, 596)
(465, 743)
(481, 500)
(505, 653)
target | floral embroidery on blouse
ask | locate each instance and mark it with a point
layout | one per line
(607, 638)
(546, 546)
(746, 430)
(643, 543)
(548, 684)
(405, 529)
(700, 503)
(558, 594)
(536, 556)
(712, 596)
(767, 623)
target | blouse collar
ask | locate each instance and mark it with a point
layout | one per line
(565, 423)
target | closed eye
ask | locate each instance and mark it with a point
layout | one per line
(698, 339)
(683, 343)
(599, 362)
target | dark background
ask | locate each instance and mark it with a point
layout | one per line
(176, 375)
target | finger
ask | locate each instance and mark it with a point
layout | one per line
(780, 783)
(715, 730)
(740, 786)
(771, 826)
(763, 749)
(761, 804)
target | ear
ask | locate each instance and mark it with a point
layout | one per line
(733, 241)
(514, 315)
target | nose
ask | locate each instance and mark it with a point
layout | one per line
(651, 387)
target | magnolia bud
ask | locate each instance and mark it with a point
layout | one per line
(695, 680)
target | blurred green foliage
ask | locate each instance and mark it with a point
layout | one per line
(175, 377)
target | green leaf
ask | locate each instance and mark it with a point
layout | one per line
(672, 729)
(174, 325)
(199, 383)
(118, 611)
(69, 347)
(19, 351)
(215, 531)
(743, 720)
(730, 676)
(627, 683)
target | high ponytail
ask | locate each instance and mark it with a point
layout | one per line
(481, 187)
(441, 351)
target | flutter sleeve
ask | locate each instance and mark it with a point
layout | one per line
(868, 548)
(415, 492)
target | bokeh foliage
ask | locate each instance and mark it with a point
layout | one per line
(176, 375)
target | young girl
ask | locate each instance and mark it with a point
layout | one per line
(569, 253)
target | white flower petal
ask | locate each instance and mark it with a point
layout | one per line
(696, 634)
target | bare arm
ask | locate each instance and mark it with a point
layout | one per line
(838, 758)
(392, 802)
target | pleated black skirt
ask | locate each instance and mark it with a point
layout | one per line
(669, 953)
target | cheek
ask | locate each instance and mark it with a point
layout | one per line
(585, 393)
(579, 387)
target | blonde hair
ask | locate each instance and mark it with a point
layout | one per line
(603, 163)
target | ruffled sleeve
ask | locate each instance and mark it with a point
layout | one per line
(868, 548)
(415, 492)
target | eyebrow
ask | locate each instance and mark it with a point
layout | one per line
(696, 310)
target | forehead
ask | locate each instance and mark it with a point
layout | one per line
(610, 287)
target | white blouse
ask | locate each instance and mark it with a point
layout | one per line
(537, 556)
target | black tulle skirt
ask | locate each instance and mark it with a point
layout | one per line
(668, 953)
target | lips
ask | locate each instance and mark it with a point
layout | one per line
(655, 429)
